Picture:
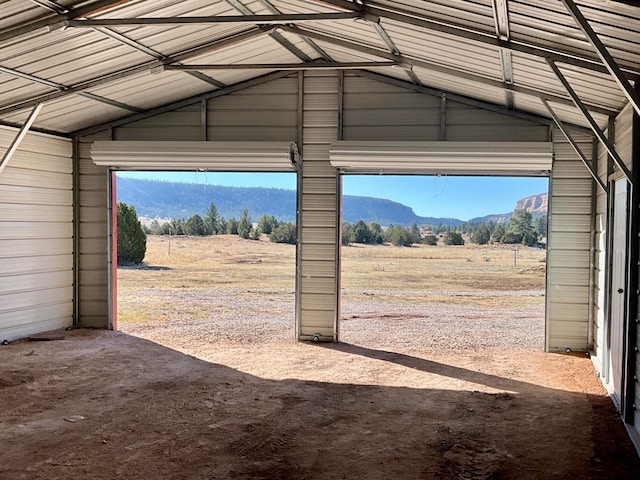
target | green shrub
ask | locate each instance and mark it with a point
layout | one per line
(132, 241)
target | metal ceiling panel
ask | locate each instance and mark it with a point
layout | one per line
(457, 52)
(545, 23)
(62, 115)
(148, 90)
(477, 14)
(536, 73)
(415, 42)
(13, 89)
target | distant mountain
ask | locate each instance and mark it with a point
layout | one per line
(537, 205)
(156, 199)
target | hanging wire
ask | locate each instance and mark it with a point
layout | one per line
(435, 183)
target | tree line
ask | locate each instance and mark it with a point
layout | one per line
(214, 224)
(520, 229)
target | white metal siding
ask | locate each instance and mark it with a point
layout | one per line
(600, 262)
(569, 246)
(318, 302)
(266, 112)
(36, 236)
(378, 111)
(93, 243)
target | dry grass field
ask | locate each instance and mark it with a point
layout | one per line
(440, 375)
(491, 275)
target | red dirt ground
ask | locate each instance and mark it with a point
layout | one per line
(105, 405)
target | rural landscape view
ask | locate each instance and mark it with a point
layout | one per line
(420, 279)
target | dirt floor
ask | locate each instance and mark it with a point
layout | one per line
(105, 405)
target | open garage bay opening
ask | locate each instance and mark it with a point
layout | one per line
(204, 278)
(416, 286)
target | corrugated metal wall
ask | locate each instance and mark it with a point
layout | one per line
(378, 111)
(316, 109)
(318, 254)
(93, 260)
(36, 236)
(569, 246)
(624, 138)
(243, 115)
(600, 301)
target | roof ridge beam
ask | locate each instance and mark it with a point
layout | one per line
(408, 61)
(478, 36)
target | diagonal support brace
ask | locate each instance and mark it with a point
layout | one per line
(15, 144)
(594, 126)
(575, 146)
(603, 53)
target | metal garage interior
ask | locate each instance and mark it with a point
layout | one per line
(316, 76)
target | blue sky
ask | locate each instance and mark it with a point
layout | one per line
(453, 197)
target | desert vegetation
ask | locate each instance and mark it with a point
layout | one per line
(179, 274)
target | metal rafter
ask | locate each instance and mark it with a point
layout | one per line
(119, 37)
(254, 19)
(608, 60)
(52, 6)
(269, 6)
(465, 32)
(594, 126)
(61, 87)
(244, 10)
(386, 39)
(79, 12)
(408, 61)
(135, 70)
(575, 146)
(501, 18)
(278, 66)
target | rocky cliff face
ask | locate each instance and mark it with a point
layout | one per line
(533, 204)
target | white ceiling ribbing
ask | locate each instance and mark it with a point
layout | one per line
(445, 58)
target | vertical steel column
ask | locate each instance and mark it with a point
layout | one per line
(112, 251)
(338, 241)
(76, 231)
(299, 204)
(630, 403)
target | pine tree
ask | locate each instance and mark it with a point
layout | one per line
(132, 241)
(244, 225)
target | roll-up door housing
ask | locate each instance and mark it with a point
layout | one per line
(446, 158)
(183, 155)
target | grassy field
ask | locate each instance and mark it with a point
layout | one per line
(467, 272)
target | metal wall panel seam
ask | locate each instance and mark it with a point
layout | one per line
(299, 205)
(76, 233)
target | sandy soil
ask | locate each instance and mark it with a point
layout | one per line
(105, 405)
